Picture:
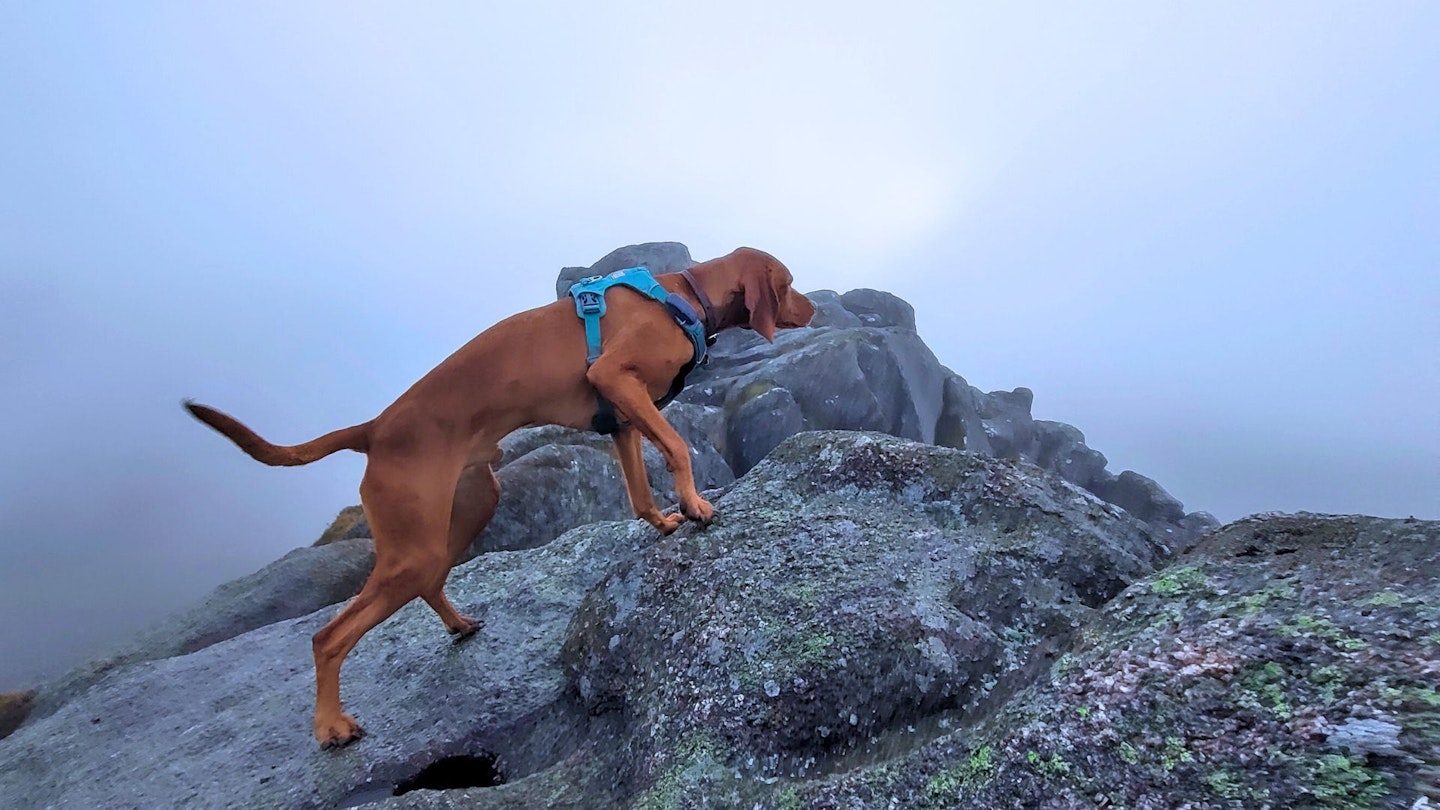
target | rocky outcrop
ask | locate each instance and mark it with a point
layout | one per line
(1287, 661)
(870, 622)
(861, 366)
(857, 585)
(659, 257)
(855, 378)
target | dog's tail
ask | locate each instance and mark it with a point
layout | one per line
(355, 437)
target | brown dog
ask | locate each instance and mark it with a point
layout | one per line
(428, 487)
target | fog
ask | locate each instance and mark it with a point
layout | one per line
(1204, 235)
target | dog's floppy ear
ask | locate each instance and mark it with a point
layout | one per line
(762, 301)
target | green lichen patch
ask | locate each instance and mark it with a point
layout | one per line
(1336, 781)
(975, 772)
(1181, 579)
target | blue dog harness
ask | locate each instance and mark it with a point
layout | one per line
(589, 295)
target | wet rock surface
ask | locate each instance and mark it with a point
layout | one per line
(870, 622)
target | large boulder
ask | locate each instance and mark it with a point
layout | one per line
(855, 585)
(870, 622)
(1286, 661)
(858, 378)
(659, 257)
(879, 308)
(228, 726)
(1140, 496)
(830, 310)
(1061, 449)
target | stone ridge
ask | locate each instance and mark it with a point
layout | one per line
(871, 622)
(861, 367)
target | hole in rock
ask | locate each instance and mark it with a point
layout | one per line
(454, 773)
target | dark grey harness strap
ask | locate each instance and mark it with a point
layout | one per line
(705, 308)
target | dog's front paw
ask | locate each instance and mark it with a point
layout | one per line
(465, 629)
(668, 523)
(337, 733)
(698, 510)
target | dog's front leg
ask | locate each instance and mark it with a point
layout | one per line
(630, 397)
(637, 482)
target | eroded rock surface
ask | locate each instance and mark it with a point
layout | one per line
(870, 622)
(1287, 661)
(851, 574)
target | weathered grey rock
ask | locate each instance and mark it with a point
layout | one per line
(1061, 449)
(1365, 736)
(830, 310)
(229, 726)
(659, 257)
(549, 491)
(1140, 496)
(297, 584)
(854, 585)
(1008, 424)
(869, 623)
(760, 423)
(850, 379)
(1286, 661)
(961, 425)
(1198, 523)
(879, 309)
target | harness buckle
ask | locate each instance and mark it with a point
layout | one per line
(591, 303)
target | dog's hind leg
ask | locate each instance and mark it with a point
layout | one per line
(476, 495)
(408, 519)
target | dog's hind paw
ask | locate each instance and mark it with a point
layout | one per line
(338, 733)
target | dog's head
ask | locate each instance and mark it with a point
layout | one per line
(770, 301)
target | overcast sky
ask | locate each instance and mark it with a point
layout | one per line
(1203, 233)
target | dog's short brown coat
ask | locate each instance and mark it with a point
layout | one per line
(429, 489)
